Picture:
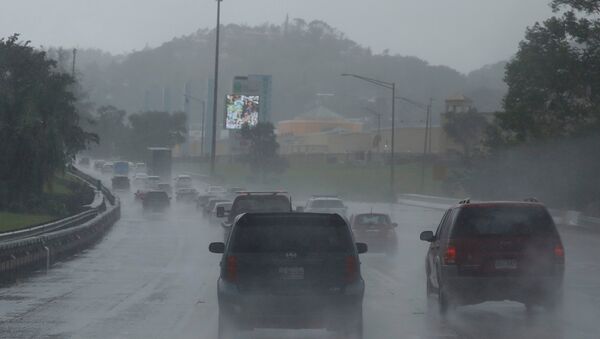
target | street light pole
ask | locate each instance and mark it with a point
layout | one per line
(391, 86)
(427, 139)
(378, 115)
(393, 154)
(213, 145)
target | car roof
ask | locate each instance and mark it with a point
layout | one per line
(383, 214)
(325, 198)
(484, 204)
(183, 176)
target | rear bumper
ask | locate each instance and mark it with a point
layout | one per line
(262, 310)
(476, 289)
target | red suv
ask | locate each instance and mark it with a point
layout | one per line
(486, 251)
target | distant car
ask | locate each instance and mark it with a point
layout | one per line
(186, 195)
(84, 161)
(232, 192)
(226, 206)
(202, 200)
(156, 201)
(254, 202)
(120, 183)
(326, 204)
(377, 230)
(165, 187)
(486, 251)
(152, 182)
(216, 190)
(140, 167)
(139, 179)
(107, 168)
(183, 181)
(211, 205)
(290, 270)
(98, 165)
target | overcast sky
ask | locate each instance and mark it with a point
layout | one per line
(463, 34)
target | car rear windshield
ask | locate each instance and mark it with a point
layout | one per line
(372, 219)
(504, 221)
(258, 204)
(327, 203)
(156, 196)
(298, 233)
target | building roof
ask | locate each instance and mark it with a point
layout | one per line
(320, 113)
(459, 97)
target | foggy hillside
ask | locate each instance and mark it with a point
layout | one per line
(303, 58)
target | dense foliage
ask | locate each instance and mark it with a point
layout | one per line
(547, 141)
(39, 124)
(262, 148)
(130, 139)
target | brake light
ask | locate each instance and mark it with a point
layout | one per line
(450, 255)
(351, 269)
(559, 253)
(231, 268)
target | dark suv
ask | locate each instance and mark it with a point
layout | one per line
(489, 251)
(290, 270)
(254, 202)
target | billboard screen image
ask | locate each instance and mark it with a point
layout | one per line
(241, 110)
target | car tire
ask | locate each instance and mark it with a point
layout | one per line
(553, 301)
(227, 327)
(352, 328)
(444, 303)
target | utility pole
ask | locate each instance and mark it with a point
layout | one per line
(213, 145)
(74, 58)
(203, 127)
(391, 86)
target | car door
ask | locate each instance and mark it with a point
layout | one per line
(433, 253)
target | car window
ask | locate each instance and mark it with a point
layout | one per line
(439, 228)
(504, 221)
(326, 203)
(246, 204)
(371, 219)
(299, 234)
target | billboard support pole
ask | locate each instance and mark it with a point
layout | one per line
(213, 144)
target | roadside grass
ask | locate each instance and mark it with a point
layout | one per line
(14, 221)
(56, 192)
(368, 182)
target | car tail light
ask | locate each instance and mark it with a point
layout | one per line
(450, 255)
(559, 253)
(351, 269)
(231, 268)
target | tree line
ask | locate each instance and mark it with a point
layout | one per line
(546, 140)
(40, 127)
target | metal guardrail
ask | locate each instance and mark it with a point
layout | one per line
(44, 244)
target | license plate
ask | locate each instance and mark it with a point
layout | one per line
(291, 273)
(505, 264)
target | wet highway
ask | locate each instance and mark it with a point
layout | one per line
(153, 277)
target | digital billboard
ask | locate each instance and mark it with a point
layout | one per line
(241, 110)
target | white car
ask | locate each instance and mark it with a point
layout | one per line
(140, 167)
(152, 182)
(183, 181)
(139, 179)
(216, 190)
(326, 204)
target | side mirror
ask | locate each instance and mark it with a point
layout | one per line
(299, 209)
(427, 236)
(216, 247)
(220, 212)
(394, 224)
(361, 247)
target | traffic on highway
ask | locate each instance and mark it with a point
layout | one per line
(285, 169)
(237, 263)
